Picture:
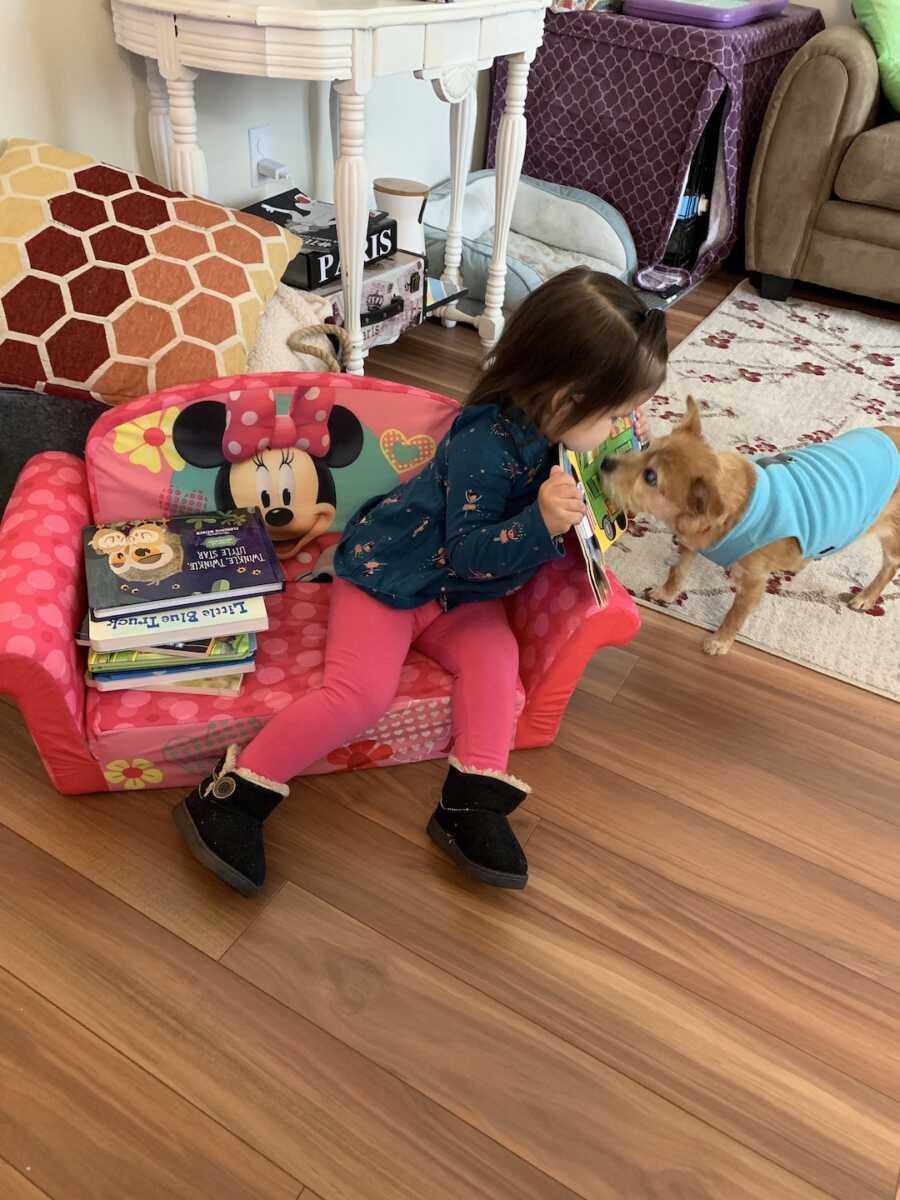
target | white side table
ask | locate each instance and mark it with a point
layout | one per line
(347, 43)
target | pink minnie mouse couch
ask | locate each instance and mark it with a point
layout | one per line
(307, 450)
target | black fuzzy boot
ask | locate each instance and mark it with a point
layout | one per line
(471, 825)
(221, 821)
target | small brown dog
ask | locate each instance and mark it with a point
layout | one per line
(706, 497)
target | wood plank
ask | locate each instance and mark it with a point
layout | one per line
(756, 694)
(832, 1013)
(607, 672)
(442, 360)
(753, 680)
(14, 1186)
(760, 779)
(85, 1123)
(309, 1104)
(439, 1034)
(126, 843)
(836, 919)
(805, 903)
(561, 980)
(706, 946)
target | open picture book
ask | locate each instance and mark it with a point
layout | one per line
(603, 524)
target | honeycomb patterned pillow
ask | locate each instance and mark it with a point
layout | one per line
(112, 287)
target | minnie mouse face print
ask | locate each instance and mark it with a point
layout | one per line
(279, 464)
(286, 488)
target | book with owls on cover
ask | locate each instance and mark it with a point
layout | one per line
(147, 566)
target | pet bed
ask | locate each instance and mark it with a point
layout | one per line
(553, 228)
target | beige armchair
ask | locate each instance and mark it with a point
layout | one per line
(824, 199)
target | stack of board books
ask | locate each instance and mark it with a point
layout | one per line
(175, 605)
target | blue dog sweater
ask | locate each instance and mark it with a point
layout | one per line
(825, 496)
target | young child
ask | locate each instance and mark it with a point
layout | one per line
(429, 565)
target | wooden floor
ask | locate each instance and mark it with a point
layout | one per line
(696, 998)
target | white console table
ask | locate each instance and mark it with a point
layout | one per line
(346, 43)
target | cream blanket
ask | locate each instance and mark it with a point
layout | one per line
(288, 311)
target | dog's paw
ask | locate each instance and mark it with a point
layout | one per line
(861, 602)
(663, 594)
(714, 645)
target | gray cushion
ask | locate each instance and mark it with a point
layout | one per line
(870, 172)
(31, 422)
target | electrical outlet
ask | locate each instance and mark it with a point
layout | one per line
(260, 147)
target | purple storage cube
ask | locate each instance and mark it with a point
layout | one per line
(713, 14)
(616, 105)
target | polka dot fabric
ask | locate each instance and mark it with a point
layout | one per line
(41, 605)
(182, 735)
(559, 628)
(252, 424)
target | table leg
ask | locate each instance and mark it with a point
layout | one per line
(187, 159)
(158, 120)
(351, 195)
(510, 153)
(322, 137)
(462, 135)
(334, 120)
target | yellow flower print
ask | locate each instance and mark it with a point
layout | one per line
(131, 775)
(148, 440)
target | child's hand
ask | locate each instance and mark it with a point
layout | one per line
(560, 502)
(642, 426)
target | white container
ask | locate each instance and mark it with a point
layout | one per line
(405, 200)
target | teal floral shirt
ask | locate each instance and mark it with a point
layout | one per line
(468, 527)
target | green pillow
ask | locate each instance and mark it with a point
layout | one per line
(881, 21)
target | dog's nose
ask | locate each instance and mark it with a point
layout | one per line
(609, 464)
(279, 517)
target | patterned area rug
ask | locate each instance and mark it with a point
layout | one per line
(770, 377)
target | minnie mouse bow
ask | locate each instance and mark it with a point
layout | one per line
(253, 425)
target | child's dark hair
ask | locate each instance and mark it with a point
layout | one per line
(583, 336)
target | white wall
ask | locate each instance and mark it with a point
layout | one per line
(65, 81)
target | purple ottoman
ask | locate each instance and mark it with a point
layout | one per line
(712, 14)
(617, 104)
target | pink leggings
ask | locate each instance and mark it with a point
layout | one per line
(367, 647)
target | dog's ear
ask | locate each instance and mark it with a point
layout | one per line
(691, 423)
(704, 500)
